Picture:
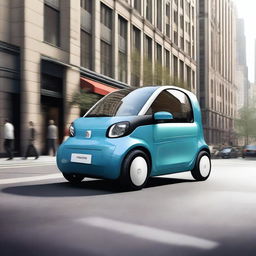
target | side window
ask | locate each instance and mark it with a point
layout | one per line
(175, 102)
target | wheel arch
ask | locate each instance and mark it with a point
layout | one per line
(145, 150)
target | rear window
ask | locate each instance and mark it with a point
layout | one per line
(251, 147)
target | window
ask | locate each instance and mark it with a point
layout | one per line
(159, 14)
(175, 68)
(136, 56)
(86, 5)
(86, 36)
(148, 48)
(106, 40)
(122, 74)
(86, 49)
(167, 25)
(174, 102)
(121, 103)
(175, 17)
(181, 71)
(52, 22)
(167, 61)
(106, 58)
(137, 5)
(149, 10)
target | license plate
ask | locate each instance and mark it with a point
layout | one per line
(81, 158)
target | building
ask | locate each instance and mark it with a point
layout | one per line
(216, 68)
(50, 49)
(241, 66)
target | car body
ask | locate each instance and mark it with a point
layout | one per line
(249, 151)
(135, 133)
(228, 152)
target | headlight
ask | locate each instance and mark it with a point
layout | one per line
(118, 129)
(72, 130)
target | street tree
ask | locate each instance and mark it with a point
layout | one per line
(246, 123)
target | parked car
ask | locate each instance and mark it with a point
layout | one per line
(249, 151)
(229, 152)
(132, 134)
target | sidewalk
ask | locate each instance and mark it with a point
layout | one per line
(42, 160)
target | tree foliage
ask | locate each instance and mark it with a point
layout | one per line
(246, 123)
(157, 75)
(84, 100)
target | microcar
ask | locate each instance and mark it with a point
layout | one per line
(136, 133)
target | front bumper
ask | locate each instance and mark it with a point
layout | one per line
(103, 164)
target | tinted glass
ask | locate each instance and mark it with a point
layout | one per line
(175, 102)
(126, 102)
(226, 150)
(251, 147)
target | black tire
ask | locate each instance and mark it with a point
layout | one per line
(73, 177)
(201, 174)
(132, 178)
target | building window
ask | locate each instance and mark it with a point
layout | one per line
(137, 5)
(149, 10)
(106, 58)
(175, 68)
(188, 75)
(86, 49)
(182, 21)
(122, 52)
(106, 40)
(136, 63)
(181, 71)
(86, 5)
(167, 18)
(175, 17)
(158, 66)
(159, 15)
(148, 48)
(175, 37)
(167, 61)
(86, 37)
(182, 43)
(52, 22)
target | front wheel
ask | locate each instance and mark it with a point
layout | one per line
(135, 170)
(73, 178)
(202, 168)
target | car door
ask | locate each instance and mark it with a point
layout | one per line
(175, 142)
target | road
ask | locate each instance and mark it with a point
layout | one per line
(42, 214)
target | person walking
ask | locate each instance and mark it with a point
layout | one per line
(8, 138)
(31, 139)
(52, 135)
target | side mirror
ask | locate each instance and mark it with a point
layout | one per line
(163, 116)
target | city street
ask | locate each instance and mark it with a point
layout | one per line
(42, 214)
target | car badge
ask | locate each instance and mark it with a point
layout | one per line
(88, 134)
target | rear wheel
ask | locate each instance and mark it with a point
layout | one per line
(135, 170)
(202, 168)
(73, 177)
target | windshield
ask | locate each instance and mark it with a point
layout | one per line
(125, 102)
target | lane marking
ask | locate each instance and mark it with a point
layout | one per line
(28, 179)
(24, 165)
(149, 233)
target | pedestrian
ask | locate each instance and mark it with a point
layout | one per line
(52, 135)
(8, 138)
(31, 139)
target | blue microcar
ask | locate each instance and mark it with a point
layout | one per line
(132, 134)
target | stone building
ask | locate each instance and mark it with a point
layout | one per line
(50, 49)
(216, 68)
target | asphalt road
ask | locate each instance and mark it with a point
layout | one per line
(42, 214)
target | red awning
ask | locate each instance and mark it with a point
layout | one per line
(96, 87)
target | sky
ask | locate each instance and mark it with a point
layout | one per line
(247, 10)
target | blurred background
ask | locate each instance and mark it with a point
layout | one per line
(58, 57)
